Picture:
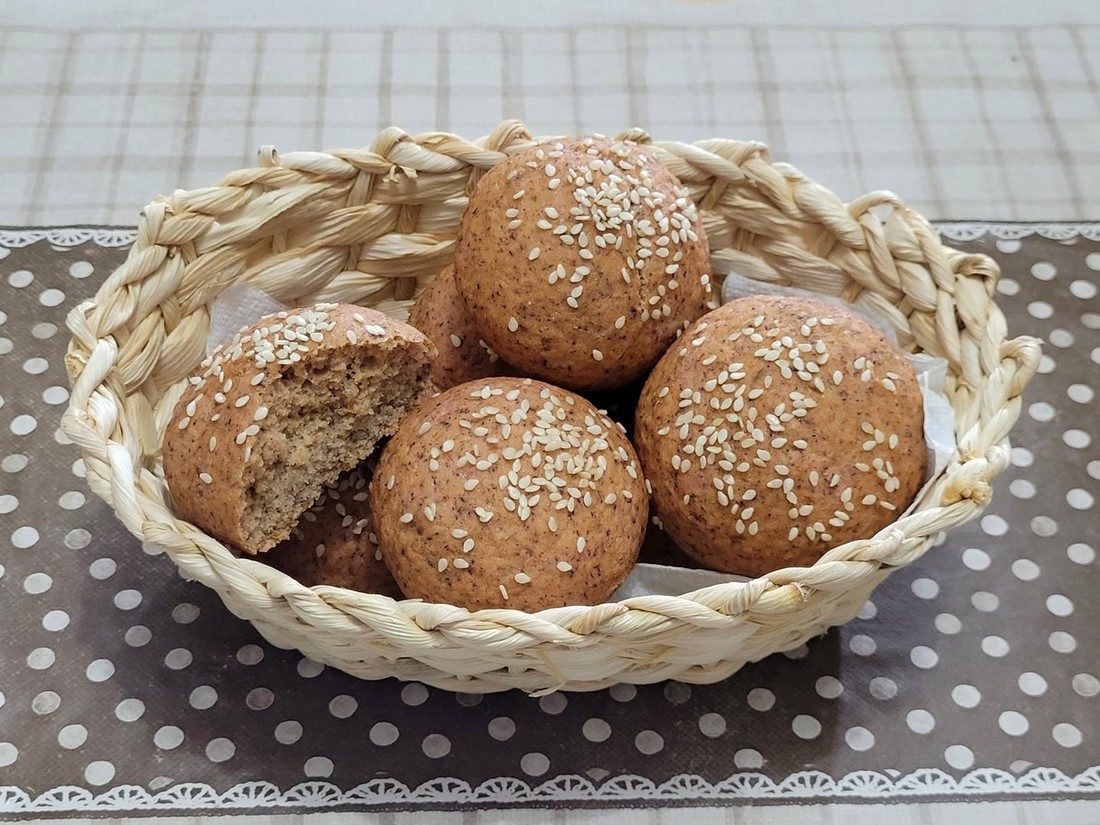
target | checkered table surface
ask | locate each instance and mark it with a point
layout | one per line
(992, 122)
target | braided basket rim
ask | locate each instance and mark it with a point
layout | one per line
(134, 332)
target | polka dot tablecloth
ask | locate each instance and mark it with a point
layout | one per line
(973, 672)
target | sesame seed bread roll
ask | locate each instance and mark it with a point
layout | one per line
(294, 400)
(334, 542)
(463, 355)
(580, 260)
(778, 428)
(509, 492)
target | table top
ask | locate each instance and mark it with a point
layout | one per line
(970, 675)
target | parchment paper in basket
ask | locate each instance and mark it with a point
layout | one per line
(939, 437)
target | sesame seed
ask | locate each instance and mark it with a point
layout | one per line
(513, 324)
(469, 484)
(504, 592)
(260, 414)
(564, 566)
(406, 518)
(461, 563)
(456, 342)
(257, 379)
(206, 478)
(424, 427)
(534, 253)
(459, 533)
(467, 545)
(441, 565)
(522, 578)
(596, 354)
(184, 422)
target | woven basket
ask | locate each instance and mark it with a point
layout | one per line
(372, 226)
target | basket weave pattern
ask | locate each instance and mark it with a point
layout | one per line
(373, 226)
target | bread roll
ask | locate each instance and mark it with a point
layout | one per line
(778, 428)
(274, 416)
(580, 260)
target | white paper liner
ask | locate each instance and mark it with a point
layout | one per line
(242, 304)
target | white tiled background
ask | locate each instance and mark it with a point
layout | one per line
(994, 121)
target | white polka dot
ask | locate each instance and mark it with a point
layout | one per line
(23, 424)
(250, 655)
(55, 621)
(1061, 338)
(1091, 320)
(414, 694)
(1021, 457)
(1022, 488)
(1008, 286)
(14, 463)
(469, 700)
(41, 658)
(260, 698)
(78, 468)
(1067, 735)
(995, 646)
(138, 635)
(1047, 365)
(1041, 411)
(711, 725)
(924, 657)
(318, 767)
(1080, 393)
(868, 611)
(1044, 526)
(924, 588)
(1083, 289)
(1008, 245)
(1079, 499)
(920, 721)
(1093, 469)
(78, 539)
(8, 754)
(436, 746)
(862, 645)
(24, 537)
(203, 697)
(948, 624)
(100, 670)
(883, 688)
(129, 710)
(290, 731)
(622, 692)
(51, 297)
(1059, 605)
(80, 269)
(99, 773)
(1062, 642)
(800, 652)
(534, 764)
(36, 366)
(127, 599)
(828, 687)
(975, 559)
(502, 728)
(5, 346)
(677, 692)
(185, 613)
(761, 699)
(994, 525)
(37, 583)
(72, 737)
(343, 706)
(1040, 309)
(1031, 683)
(71, 500)
(308, 668)
(168, 737)
(384, 734)
(1025, 570)
(748, 759)
(20, 278)
(1093, 261)
(1080, 553)
(806, 727)
(1086, 685)
(100, 568)
(178, 658)
(1043, 271)
(8, 504)
(220, 749)
(649, 742)
(966, 696)
(859, 738)
(45, 703)
(44, 330)
(553, 703)
(1077, 439)
(959, 757)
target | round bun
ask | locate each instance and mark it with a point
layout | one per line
(776, 429)
(580, 260)
(463, 356)
(334, 542)
(279, 412)
(509, 492)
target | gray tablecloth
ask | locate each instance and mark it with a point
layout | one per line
(970, 674)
